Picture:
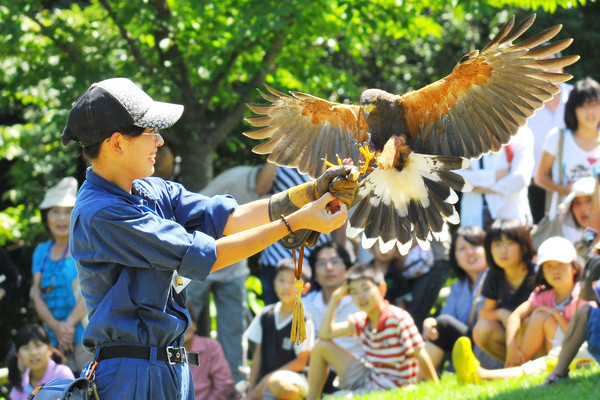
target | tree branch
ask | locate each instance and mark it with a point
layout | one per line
(231, 120)
(135, 50)
(213, 87)
(50, 33)
(175, 56)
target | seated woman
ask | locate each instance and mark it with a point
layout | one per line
(509, 252)
(467, 260)
(42, 362)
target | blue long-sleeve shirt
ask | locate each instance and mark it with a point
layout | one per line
(127, 247)
(460, 300)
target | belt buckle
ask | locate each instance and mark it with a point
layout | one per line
(178, 353)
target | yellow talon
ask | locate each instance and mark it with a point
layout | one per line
(339, 161)
(327, 163)
(369, 157)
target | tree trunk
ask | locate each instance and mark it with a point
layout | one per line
(196, 163)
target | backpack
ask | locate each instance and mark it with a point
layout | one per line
(63, 389)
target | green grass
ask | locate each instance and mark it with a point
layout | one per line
(584, 384)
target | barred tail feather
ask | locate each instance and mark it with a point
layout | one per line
(396, 208)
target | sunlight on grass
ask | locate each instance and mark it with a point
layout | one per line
(583, 385)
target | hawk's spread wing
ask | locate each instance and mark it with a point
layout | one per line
(488, 95)
(303, 129)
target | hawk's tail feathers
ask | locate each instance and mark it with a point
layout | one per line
(396, 208)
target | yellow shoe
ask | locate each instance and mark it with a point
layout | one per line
(580, 363)
(465, 362)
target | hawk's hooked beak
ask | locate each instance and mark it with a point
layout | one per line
(367, 109)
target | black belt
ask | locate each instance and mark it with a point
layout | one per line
(170, 354)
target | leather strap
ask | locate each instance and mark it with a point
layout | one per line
(170, 354)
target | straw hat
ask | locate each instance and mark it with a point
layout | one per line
(61, 195)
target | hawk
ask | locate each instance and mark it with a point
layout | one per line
(418, 138)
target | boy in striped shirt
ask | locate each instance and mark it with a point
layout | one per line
(394, 349)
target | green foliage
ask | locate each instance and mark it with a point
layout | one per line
(211, 57)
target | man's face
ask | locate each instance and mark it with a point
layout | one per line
(330, 270)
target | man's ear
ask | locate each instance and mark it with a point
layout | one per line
(306, 288)
(382, 288)
(115, 142)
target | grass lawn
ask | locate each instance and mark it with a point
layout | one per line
(584, 384)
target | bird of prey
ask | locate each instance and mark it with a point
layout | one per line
(418, 138)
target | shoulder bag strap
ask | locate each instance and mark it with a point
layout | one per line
(554, 202)
(475, 297)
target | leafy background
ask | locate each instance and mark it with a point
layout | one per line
(212, 57)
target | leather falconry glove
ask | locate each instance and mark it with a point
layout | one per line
(341, 181)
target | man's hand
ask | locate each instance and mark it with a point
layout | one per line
(429, 329)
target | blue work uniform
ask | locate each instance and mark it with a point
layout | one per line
(127, 248)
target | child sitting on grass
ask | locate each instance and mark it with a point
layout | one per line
(549, 309)
(393, 346)
(585, 326)
(277, 363)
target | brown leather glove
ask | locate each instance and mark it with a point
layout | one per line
(341, 181)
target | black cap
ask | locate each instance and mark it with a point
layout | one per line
(112, 105)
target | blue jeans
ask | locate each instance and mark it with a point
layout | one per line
(592, 332)
(230, 301)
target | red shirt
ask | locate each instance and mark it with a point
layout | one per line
(390, 347)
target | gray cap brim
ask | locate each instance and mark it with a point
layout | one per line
(160, 115)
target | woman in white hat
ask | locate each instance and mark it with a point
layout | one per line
(56, 294)
(575, 213)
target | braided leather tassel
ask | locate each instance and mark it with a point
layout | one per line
(298, 329)
(298, 333)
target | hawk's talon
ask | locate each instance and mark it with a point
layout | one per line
(327, 163)
(370, 158)
(339, 161)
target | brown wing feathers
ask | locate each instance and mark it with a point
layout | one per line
(503, 85)
(302, 129)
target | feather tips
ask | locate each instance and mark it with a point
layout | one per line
(399, 207)
(503, 84)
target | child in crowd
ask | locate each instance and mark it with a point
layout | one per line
(42, 362)
(549, 309)
(576, 214)
(393, 346)
(212, 377)
(581, 147)
(550, 306)
(277, 363)
(467, 260)
(410, 279)
(585, 326)
(509, 252)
